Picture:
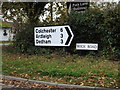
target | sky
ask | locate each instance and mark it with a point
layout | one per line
(59, 0)
(106, 0)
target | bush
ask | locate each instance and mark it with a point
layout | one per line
(24, 41)
(86, 27)
(111, 33)
(97, 26)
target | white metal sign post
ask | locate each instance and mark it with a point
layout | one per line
(53, 36)
(86, 46)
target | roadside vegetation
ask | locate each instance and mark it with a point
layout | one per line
(6, 41)
(99, 24)
(96, 25)
(70, 69)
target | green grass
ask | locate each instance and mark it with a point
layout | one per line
(5, 24)
(70, 69)
(6, 41)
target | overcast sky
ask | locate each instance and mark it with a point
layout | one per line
(58, 0)
(105, 0)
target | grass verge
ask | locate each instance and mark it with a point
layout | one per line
(70, 69)
(6, 41)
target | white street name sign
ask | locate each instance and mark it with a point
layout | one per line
(53, 36)
(86, 46)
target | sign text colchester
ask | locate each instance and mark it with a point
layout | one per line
(53, 36)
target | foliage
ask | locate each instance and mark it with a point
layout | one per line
(111, 33)
(55, 14)
(21, 12)
(24, 44)
(24, 41)
(98, 25)
(86, 26)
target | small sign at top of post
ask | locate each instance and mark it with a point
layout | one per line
(77, 6)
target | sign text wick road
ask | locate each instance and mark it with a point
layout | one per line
(86, 46)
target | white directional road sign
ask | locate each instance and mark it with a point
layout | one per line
(86, 46)
(53, 36)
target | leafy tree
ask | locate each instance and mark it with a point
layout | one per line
(25, 16)
(23, 11)
(55, 13)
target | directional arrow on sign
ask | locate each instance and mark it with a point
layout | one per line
(69, 35)
(53, 36)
